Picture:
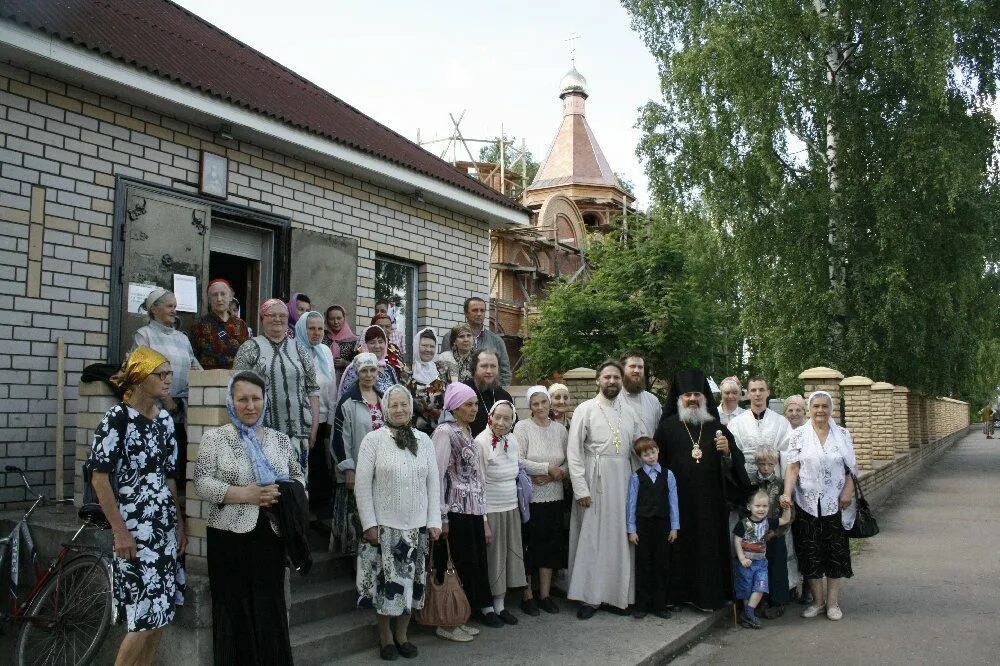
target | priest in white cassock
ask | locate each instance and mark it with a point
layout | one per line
(752, 429)
(600, 460)
(646, 406)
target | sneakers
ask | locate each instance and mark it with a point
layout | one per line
(834, 613)
(749, 619)
(455, 634)
(813, 611)
(548, 605)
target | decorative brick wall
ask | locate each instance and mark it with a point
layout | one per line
(859, 418)
(883, 422)
(96, 398)
(901, 418)
(582, 385)
(61, 148)
(824, 379)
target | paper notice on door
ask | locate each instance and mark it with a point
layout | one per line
(186, 292)
(137, 293)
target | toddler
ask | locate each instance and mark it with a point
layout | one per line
(750, 538)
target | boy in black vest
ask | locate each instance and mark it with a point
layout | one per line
(652, 521)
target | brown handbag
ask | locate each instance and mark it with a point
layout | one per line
(445, 603)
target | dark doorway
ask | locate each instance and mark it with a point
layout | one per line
(244, 275)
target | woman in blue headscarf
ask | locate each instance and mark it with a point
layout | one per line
(237, 470)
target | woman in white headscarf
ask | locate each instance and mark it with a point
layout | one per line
(428, 381)
(819, 480)
(309, 331)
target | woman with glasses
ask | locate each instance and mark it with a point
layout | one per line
(286, 364)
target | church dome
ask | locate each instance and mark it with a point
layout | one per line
(573, 82)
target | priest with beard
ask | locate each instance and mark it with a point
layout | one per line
(485, 382)
(711, 474)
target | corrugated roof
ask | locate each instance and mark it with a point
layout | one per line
(166, 40)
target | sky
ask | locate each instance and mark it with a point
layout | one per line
(408, 64)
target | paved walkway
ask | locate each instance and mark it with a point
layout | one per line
(926, 590)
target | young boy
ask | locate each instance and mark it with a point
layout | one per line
(652, 521)
(766, 479)
(750, 537)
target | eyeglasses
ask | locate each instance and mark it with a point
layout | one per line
(163, 375)
(276, 316)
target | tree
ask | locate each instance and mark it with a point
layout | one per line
(844, 149)
(514, 161)
(650, 293)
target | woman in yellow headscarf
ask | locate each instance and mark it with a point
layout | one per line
(134, 447)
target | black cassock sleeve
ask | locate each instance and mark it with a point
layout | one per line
(735, 481)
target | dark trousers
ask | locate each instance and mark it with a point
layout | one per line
(652, 563)
(777, 571)
(467, 538)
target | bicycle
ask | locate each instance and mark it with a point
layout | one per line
(66, 615)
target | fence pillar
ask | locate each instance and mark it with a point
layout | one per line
(901, 418)
(883, 435)
(582, 385)
(858, 417)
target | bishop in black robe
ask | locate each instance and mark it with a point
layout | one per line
(701, 565)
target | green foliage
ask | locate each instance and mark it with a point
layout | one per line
(648, 293)
(741, 137)
(491, 154)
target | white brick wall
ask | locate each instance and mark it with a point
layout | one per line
(60, 149)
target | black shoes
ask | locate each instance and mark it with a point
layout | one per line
(663, 614)
(407, 650)
(491, 620)
(614, 610)
(507, 617)
(548, 605)
(638, 614)
(389, 652)
(585, 612)
(529, 607)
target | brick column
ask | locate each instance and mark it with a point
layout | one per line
(206, 410)
(582, 385)
(913, 418)
(883, 422)
(858, 417)
(95, 399)
(925, 419)
(824, 379)
(901, 418)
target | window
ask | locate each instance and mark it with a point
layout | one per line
(396, 282)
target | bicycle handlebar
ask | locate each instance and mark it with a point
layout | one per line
(13, 469)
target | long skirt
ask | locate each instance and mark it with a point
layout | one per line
(246, 575)
(392, 575)
(545, 538)
(346, 524)
(505, 554)
(467, 540)
(777, 571)
(822, 546)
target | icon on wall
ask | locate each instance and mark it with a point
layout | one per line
(214, 175)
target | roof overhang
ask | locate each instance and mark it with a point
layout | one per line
(49, 55)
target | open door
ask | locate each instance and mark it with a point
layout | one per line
(160, 235)
(325, 268)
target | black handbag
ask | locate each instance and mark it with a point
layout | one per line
(864, 523)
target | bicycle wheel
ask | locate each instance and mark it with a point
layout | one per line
(70, 616)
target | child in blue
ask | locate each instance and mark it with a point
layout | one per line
(652, 521)
(750, 537)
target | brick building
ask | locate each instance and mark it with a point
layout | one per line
(139, 143)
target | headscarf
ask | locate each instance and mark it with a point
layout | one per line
(734, 379)
(793, 399)
(557, 387)
(425, 372)
(364, 360)
(323, 363)
(137, 366)
(403, 433)
(499, 440)
(345, 332)
(690, 381)
(219, 281)
(263, 471)
(363, 344)
(456, 395)
(538, 388)
(269, 305)
(293, 309)
(154, 296)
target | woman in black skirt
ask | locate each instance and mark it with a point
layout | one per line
(237, 470)
(543, 447)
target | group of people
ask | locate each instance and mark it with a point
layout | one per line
(646, 506)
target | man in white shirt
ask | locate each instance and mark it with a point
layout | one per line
(759, 425)
(646, 406)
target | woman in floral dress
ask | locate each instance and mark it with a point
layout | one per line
(135, 445)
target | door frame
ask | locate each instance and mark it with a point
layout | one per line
(278, 225)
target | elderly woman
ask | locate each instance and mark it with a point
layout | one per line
(309, 332)
(731, 390)
(217, 336)
(237, 470)
(501, 462)
(795, 410)
(159, 334)
(543, 452)
(340, 338)
(358, 413)
(428, 380)
(561, 399)
(288, 368)
(820, 455)
(392, 559)
(463, 507)
(374, 340)
(458, 358)
(135, 444)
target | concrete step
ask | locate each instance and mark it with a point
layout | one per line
(326, 640)
(325, 566)
(322, 598)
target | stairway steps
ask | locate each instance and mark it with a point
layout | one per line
(322, 598)
(323, 641)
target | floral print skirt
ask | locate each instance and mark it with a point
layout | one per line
(149, 588)
(393, 574)
(346, 524)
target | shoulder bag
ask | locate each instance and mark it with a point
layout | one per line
(446, 604)
(864, 523)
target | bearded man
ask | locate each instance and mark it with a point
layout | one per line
(710, 472)
(486, 383)
(642, 402)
